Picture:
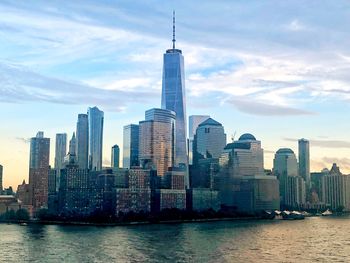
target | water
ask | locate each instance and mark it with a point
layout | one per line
(322, 239)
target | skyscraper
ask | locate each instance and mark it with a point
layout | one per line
(210, 139)
(304, 161)
(194, 121)
(1, 170)
(173, 97)
(115, 156)
(292, 187)
(131, 146)
(95, 138)
(82, 144)
(60, 150)
(39, 169)
(157, 140)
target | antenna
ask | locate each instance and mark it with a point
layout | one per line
(174, 29)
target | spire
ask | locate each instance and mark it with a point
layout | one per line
(174, 29)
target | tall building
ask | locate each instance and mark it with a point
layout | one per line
(1, 186)
(157, 140)
(336, 189)
(292, 187)
(304, 161)
(60, 150)
(131, 146)
(194, 121)
(82, 144)
(95, 138)
(115, 156)
(174, 99)
(71, 156)
(210, 140)
(243, 183)
(39, 169)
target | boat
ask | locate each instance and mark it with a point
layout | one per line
(23, 224)
(294, 215)
(327, 213)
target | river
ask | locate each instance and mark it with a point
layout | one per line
(317, 239)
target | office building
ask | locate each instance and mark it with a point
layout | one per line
(304, 161)
(131, 146)
(39, 170)
(194, 121)
(174, 99)
(157, 140)
(82, 142)
(115, 156)
(60, 150)
(1, 185)
(96, 118)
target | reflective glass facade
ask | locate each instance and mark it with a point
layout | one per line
(115, 157)
(131, 146)
(60, 150)
(82, 141)
(304, 160)
(95, 138)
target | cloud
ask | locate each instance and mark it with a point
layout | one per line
(23, 140)
(264, 109)
(19, 85)
(324, 143)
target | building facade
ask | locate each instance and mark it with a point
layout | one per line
(82, 145)
(115, 155)
(193, 122)
(157, 140)
(39, 170)
(304, 161)
(60, 150)
(131, 146)
(96, 118)
(1, 185)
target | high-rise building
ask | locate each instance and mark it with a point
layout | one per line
(115, 156)
(304, 161)
(194, 121)
(336, 189)
(173, 98)
(95, 138)
(39, 169)
(71, 156)
(210, 140)
(1, 186)
(157, 140)
(131, 146)
(60, 150)
(82, 144)
(292, 187)
(243, 182)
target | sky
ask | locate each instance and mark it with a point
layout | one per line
(276, 69)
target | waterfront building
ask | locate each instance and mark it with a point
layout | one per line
(193, 122)
(131, 146)
(174, 99)
(336, 189)
(96, 118)
(115, 156)
(82, 142)
(157, 140)
(174, 179)
(243, 183)
(292, 187)
(53, 188)
(202, 199)
(172, 198)
(39, 170)
(137, 197)
(304, 161)
(8, 203)
(1, 171)
(205, 174)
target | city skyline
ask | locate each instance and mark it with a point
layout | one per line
(216, 88)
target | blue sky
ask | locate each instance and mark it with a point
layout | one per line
(277, 69)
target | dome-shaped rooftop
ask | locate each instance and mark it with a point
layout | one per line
(247, 136)
(285, 151)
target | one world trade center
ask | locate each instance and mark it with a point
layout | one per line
(173, 98)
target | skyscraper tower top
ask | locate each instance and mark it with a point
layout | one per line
(174, 50)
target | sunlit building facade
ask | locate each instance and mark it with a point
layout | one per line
(157, 140)
(194, 121)
(115, 156)
(304, 161)
(96, 118)
(82, 145)
(131, 146)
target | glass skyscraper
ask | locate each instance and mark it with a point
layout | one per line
(131, 146)
(173, 98)
(60, 150)
(157, 140)
(82, 145)
(194, 121)
(95, 138)
(115, 156)
(1, 187)
(304, 161)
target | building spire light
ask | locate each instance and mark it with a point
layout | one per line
(174, 40)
